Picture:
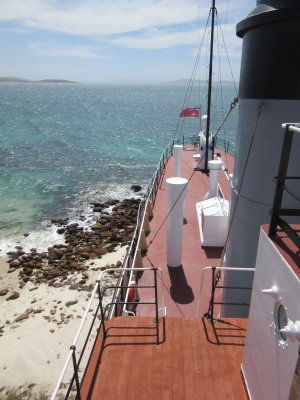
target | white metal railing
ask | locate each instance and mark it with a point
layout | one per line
(96, 289)
(229, 145)
(293, 127)
(204, 270)
(131, 276)
(150, 196)
(131, 255)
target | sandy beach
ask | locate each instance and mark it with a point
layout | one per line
(38, 326)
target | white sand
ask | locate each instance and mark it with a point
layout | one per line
(33, 350)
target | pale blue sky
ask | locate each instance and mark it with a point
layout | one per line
(108, 40)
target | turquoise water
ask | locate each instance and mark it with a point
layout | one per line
(63, 146)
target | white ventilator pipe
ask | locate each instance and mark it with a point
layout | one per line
(214, 171)
(177, 151)
(204, 123)
(176, 191)
(202, 143)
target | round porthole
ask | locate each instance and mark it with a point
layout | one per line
(281, 321)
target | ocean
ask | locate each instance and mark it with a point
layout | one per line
(63, 146)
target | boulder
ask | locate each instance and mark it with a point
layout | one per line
(24, 315)
(3, 292)
(14, 263)
(13, 296)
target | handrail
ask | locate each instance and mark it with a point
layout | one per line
(150, 196)
(87, 311)
(229, 145)
(277, 209)
(218, 269)
(294, 127)
(130, 258)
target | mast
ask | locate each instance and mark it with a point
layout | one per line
(213, 12)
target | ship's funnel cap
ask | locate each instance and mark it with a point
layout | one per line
(266, 11)
(276, 4)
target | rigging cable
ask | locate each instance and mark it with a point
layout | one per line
(167, 216)
(260, 108)
(219, 77)
(234, 103)
(191, 82)
(225, 48)
(231, 108)
(219, 274)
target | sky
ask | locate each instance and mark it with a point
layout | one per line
(115, 40)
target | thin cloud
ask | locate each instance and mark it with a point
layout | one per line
(84, 52)
(106, 17)
(98, 18)
(163, 39)
(156, 39)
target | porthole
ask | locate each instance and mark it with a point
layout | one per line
(281, 321)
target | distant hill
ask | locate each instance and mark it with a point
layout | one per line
(185, 82)
(12, 79)
(54, 81)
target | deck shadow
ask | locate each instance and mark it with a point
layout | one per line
(215, 333)
(213, 252)
(115, 340)
(180, 291)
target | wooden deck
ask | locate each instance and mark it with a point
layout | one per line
(193, 360)
(182, 283)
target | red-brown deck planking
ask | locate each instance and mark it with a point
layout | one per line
(193, 360)
(182, 283)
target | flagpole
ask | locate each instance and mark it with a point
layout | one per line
(213, 11)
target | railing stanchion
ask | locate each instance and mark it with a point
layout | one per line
(101, 308)
(212, 294)
(78, 395)
(156, 304)
(214, 285)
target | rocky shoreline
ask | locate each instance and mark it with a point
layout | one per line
(114, 226)
(43, 295)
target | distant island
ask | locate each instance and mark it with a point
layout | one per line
(179, 82)
(54, 81)
(197, 82)
(12, 79)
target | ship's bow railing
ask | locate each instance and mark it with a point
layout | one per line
(151, 191)
(131, 259)
(143, 213)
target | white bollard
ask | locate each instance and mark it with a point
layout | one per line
(214, 171)
(177, 151)
(176, 191)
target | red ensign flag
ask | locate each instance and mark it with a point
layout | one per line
(190, 112)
